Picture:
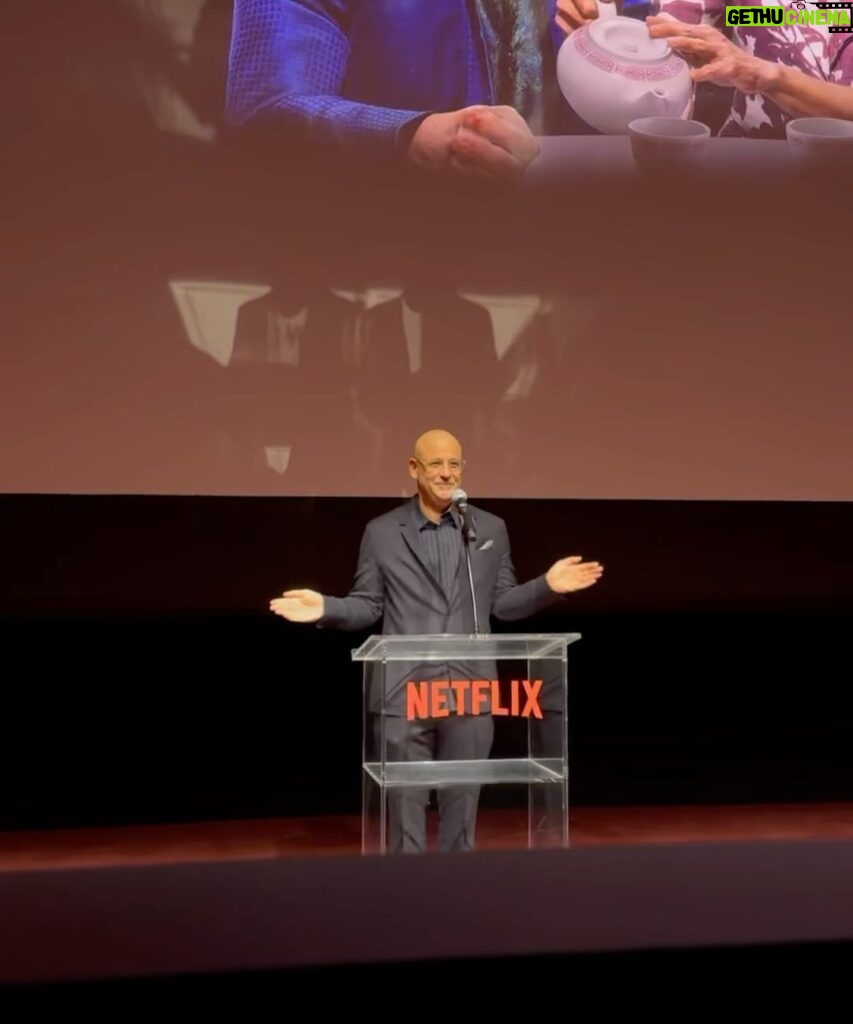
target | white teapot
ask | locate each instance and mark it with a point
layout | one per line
(612, 72)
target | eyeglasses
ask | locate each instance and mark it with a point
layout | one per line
(436, 465)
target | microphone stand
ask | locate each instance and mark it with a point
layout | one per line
(467, 542)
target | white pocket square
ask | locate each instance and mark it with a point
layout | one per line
(485, 545)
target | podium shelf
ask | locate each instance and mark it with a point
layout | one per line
(497, 646)
(498, 771)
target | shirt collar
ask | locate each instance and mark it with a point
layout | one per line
(423, 523)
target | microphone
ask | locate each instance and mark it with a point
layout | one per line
(460, 500)
(469, 532)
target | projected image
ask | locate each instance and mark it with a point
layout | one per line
(475, 88)
(323, 382)
(200, 304)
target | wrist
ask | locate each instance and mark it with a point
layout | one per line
(427, 145)
(407, 132)
(769, 77)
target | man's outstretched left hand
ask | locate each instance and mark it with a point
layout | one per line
(573, 573)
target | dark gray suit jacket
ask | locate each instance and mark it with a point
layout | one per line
(392, 583)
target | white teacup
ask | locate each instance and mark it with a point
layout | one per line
(821, 143)
(664, 142)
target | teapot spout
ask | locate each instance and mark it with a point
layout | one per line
(658, 103)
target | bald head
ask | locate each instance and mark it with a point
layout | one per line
(437, 467)
(437, 444)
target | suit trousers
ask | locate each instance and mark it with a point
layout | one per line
(455, 738)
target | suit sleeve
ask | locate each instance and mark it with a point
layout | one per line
(287, 64)
(514, 600)
(365, 603)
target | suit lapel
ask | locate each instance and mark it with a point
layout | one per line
(410, 536)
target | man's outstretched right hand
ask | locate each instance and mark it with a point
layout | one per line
(299, 605)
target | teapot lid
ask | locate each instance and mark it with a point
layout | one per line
(627, 39)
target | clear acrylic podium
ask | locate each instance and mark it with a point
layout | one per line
(510, 782)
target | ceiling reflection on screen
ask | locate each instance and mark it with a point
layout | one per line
(313, 367)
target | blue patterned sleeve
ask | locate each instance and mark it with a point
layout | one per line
(287, 64)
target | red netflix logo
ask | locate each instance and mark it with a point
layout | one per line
(432, 698)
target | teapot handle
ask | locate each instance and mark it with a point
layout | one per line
(606, 9)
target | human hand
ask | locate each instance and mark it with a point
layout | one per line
(719, 60)
(573, 573)
(299, 605)
(572, 14)
(494, 142)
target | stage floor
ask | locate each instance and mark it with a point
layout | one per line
(275, 838)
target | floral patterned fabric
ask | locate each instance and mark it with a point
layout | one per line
(813, 49)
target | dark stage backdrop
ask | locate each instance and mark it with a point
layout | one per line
(146, 681)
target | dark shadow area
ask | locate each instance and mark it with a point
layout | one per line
(755, 970)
